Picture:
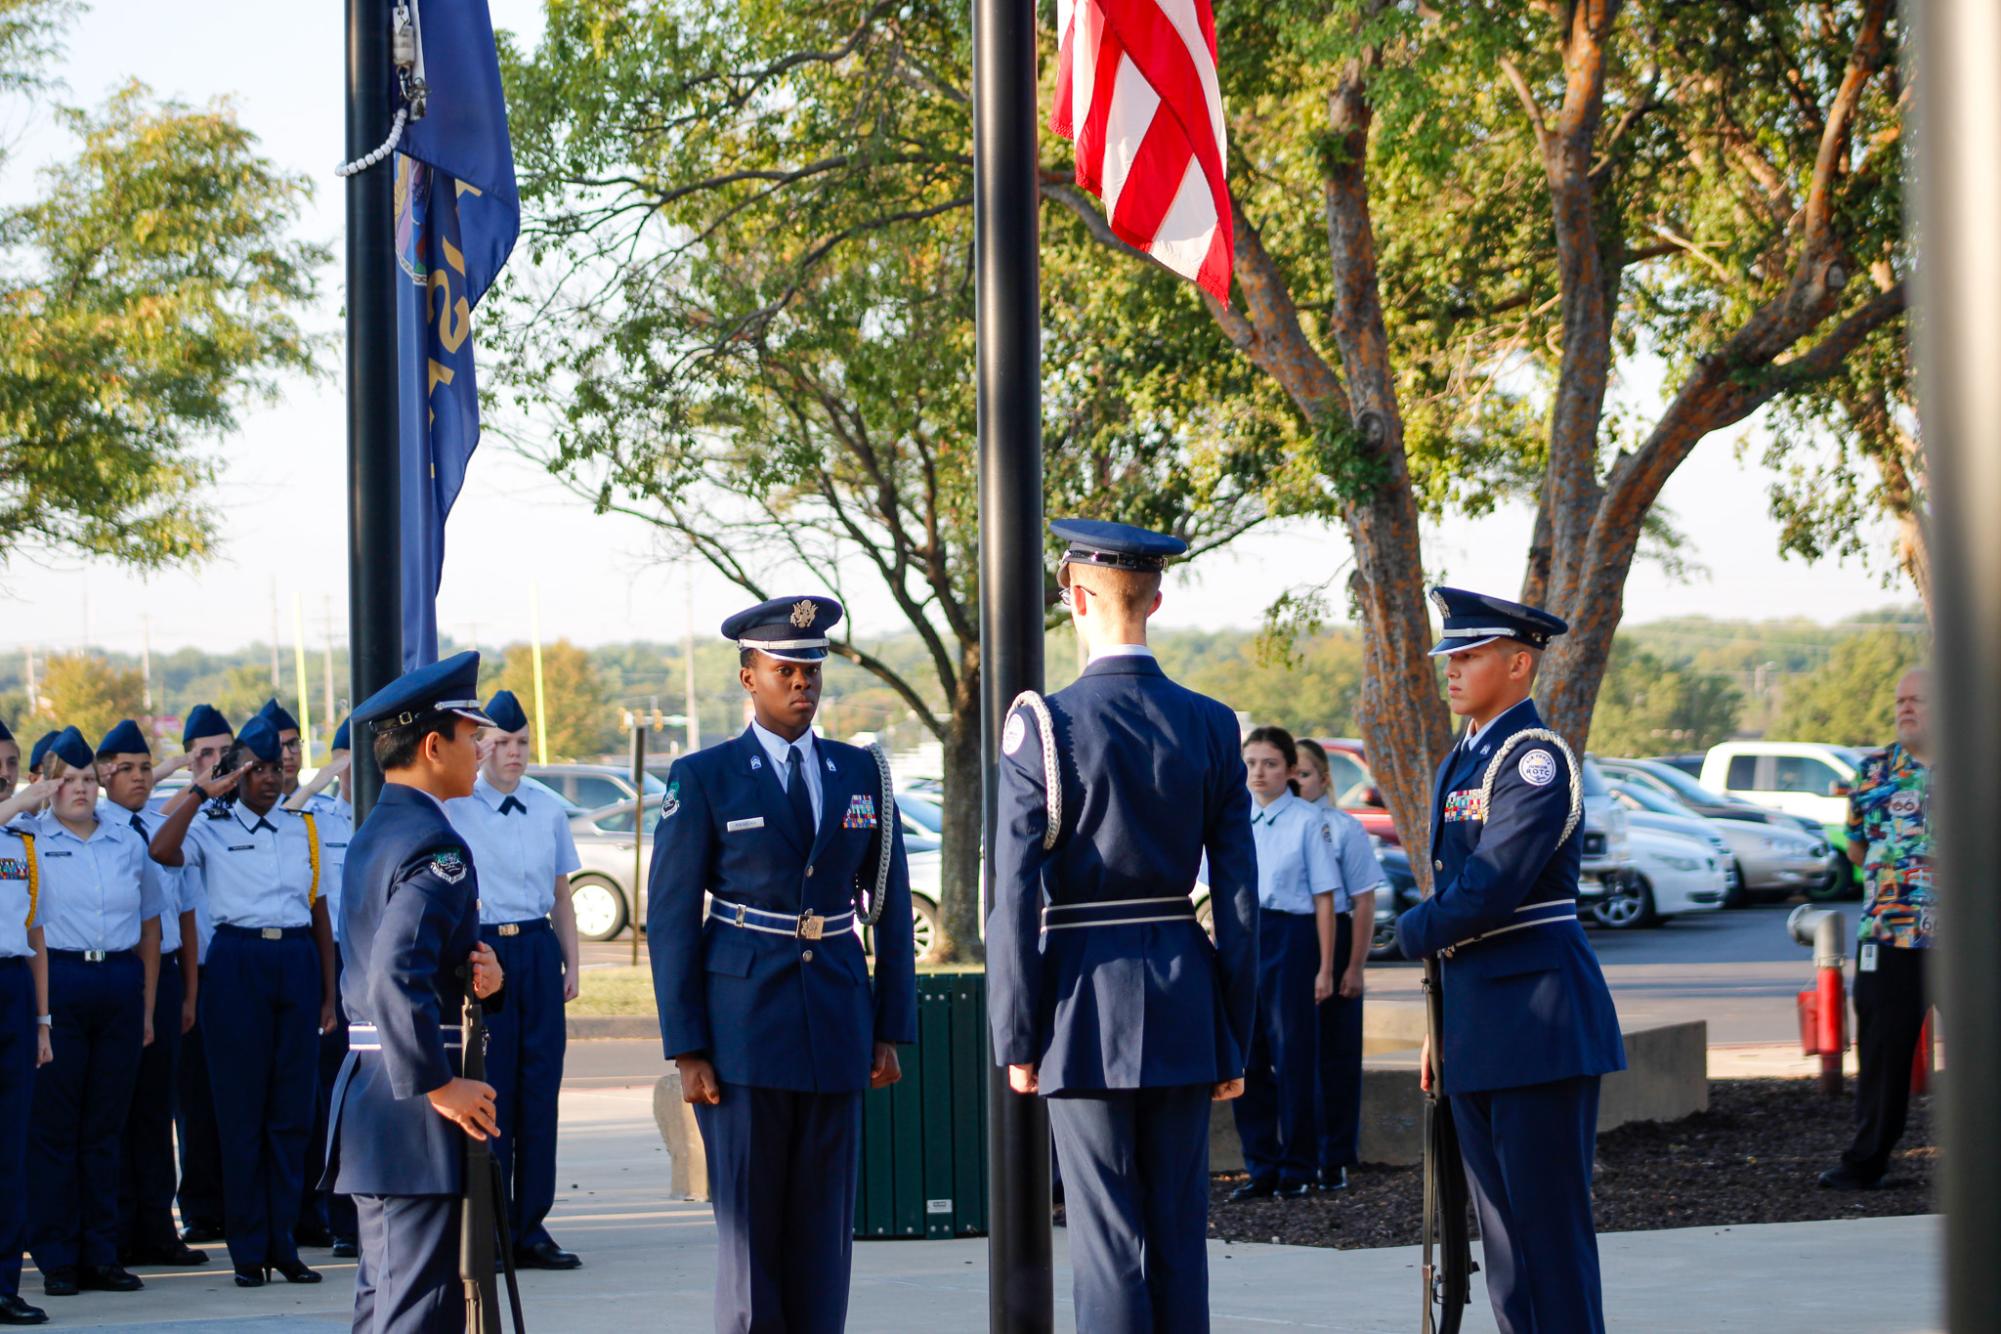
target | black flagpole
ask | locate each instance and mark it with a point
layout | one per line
(374, 551)
(1019, 1291)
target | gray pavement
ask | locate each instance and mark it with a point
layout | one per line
(649, 1263)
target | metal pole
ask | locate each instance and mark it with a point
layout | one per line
(374, 545)
(1019, 1293)
(638, 828)
(1958, 340)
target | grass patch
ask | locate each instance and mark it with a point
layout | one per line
(619, 990)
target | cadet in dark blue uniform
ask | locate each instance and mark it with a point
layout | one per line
(402, 1108)
(520, 835)
(767, 1007)
(24, 1030)
(101, 901)
(205, 738)
(1104, 994)
(267, 995)
(146, 1232)
(1529, 1025)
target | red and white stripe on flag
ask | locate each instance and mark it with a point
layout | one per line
(1136, 91)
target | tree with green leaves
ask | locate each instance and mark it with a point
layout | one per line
(576, 706)
(1852, 701)
(1650, 707)
(151, 290)
(83, 691)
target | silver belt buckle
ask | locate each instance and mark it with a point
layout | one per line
(811, 926)
(93, 956)
(272, 932)
(510, 928)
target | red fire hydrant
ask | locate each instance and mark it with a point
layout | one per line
(1823, 1007)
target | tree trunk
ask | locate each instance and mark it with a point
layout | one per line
(959, 856)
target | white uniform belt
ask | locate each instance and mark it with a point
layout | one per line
(1549, 914)
(800, 926)
(1118, 912)
(367, 1037)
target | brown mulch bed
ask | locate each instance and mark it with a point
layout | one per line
(1751, 1158)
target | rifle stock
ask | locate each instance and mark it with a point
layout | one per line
(1447, 1269)
(476, 1215)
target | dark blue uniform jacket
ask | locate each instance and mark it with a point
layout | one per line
(410, 912)
(1527, 1005)
(772, 1011)
(1152, 778)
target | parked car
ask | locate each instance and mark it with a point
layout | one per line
(1670, 875)
(1770, 860)
(1802, 778)
(1355, 790)
(1608, 860)
(923, 822)
(1663, 818)
(1689, 762)
(590, 786)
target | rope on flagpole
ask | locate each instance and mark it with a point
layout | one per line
(406, 51)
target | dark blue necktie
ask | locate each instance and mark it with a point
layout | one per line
(509, 805)
(139, 828)
(796, 793)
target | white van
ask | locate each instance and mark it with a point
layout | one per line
(1801, 777)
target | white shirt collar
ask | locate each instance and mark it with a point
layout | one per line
(1474, 731)
(778, 748)
(1121, 651)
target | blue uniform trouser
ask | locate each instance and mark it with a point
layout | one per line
(260, 1010)
(408, 1279)
(200, 1193)
(1339, 1108)
(1275, 1114)
(79, 1109)
(146, 1178)
(524, 1063)
(1528, 1155)
(17, 1091)
(1136, 1191)
(331, 1212)
(782, 1171)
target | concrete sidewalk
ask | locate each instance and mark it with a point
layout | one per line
(649, 1263)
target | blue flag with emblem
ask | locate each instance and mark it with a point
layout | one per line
(457, 216)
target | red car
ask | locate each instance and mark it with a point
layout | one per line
(1354, 787)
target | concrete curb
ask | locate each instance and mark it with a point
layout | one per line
(588, 1027)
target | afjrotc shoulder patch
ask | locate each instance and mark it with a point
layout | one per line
(1470, 804)
(449, 866)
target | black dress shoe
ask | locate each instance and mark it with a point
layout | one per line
(174, 1252)
(545, 1255)
(296, 1272)
(14, 1311)
(1253, 1190)
(250, 1276)
(1295, 1190)
(313, 1235)
(1841, 1178)
(59, 1282)
(200, 1230)
(346, 1248)
(106, 1278)
(1332, 1178)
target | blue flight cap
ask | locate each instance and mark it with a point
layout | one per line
(124, 739)
(260, 738)
(506, 712)
(788, 629)
(1473, 619)
(41, 750)
(5, 735)
(450, 686)
(69, 746)
(1113, 546)
(340, 741)
(274, 713)
(204, 720)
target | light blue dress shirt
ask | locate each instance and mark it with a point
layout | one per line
(97, 891)
(174, 895)
(519, 854)
(334, 819)
(15, 914)
(255, 871)
(777, 747)
(1295, 854)
(1360, 871)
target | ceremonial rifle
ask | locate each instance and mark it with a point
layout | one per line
(1448, 1247)
(483, 1211)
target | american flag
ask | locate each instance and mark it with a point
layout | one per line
(1136, 91)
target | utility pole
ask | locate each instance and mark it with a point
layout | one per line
(34, 699)
(688, 670)
(277, 673)
(1020, 1284)
(326, 662)
(146, 662)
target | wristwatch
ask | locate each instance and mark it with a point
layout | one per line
(46, 1020)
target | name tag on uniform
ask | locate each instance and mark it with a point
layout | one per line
(242, 847)
(737, 826)
(48, 855)
(1867, 963)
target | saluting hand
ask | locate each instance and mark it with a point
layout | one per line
(218, 783)
(486, 973)
(467, 1104)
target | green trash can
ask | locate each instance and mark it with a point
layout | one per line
(924, 1138)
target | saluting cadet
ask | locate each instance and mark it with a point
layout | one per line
(205, 738)
(327, 1219)
(402, 1107)
(290, 749)
(146, 1232)
(767, 1008)
(101, 901)
(24, 1025)
(1298, 873)
(1104, 993)
(40, 753)
(520, 836)
(267, 993)
(1529, 1025)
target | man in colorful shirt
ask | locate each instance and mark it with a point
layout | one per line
(1889, 836)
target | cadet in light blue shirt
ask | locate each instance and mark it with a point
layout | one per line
(205, 739)
(24, 1029)
(520, 840)
(100, 907)
(1298, 874)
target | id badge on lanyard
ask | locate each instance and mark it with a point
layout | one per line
(1866, 962)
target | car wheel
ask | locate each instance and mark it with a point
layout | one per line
(1739, 895)
(600, 908)
(1829, 888)
(1627, 906)
(924, 927)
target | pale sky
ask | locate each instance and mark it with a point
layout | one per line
(602, 579)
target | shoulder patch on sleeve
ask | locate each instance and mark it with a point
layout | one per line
(449, 866)
(1015, 734)
(1537, 768)
(671, 803)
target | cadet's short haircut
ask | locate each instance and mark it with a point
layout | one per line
(398, 749)
(1130, 591)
